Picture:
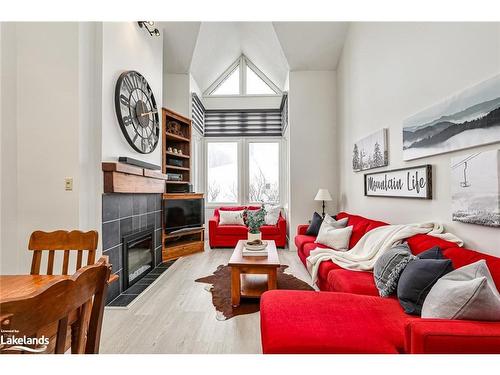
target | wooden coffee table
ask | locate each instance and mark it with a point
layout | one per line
(251, 276)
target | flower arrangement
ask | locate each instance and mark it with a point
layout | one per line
(255, 219)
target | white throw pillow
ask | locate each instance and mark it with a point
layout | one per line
(336, 238)
(466, 293)
(231, 217)
(272, 214)
(329, 222)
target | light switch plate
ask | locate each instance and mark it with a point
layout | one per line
(68, 184)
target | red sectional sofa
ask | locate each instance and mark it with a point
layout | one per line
(229, 235)
(348, 316)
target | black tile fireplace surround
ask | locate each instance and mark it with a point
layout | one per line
(124, 215)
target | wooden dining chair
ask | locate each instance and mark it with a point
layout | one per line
(54, 306)
(61, 240)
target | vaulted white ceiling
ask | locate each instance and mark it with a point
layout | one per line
(206, 49)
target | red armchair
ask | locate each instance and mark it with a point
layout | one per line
(229, 235)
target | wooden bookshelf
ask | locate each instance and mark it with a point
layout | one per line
(176, 149)
(176, 135)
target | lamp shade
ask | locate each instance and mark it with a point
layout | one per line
(323, 195)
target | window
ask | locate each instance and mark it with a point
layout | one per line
(242, 78)
(243, 171)
(264, 172)
(255, 84)
(222, 173)
(230, 85)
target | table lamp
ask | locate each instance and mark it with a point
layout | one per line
(323, 195)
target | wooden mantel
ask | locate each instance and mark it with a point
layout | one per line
(125, 178)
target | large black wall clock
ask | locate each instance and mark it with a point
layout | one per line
(137, 112)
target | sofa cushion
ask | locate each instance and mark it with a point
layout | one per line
(460, 257)
(466, 293)
(324, 322)
(231, 208)
(347, 281)
(316, 222)
(434, 252)
(270, 230)
(302, 239)
(360, 225)
(231, 218)
(422, 242)
(232, 230)
(417, 280)
(389, 267)
(337, 239)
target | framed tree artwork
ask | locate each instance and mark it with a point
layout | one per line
(370, 152)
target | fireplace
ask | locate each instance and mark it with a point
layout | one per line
(138, 256)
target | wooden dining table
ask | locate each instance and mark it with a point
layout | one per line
(22, 286)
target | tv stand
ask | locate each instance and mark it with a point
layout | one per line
(183, 242)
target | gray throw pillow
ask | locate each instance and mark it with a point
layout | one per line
(389, 266)
(466, 293)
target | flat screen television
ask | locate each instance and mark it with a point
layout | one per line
(183, 213)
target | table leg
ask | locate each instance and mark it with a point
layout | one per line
(235, 286)
(272, 280)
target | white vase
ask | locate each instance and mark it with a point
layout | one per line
(254, 236)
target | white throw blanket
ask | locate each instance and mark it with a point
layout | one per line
(372, 245)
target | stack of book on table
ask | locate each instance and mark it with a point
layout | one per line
(256, 248)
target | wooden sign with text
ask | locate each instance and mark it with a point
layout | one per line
(412, 182)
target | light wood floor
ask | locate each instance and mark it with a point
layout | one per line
(177, 316)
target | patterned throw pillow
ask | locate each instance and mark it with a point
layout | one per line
(272, 214)
(388, 268)
(231, 217)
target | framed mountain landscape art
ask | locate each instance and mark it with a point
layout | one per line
(475, 188)
(467, 119)
(370, 152)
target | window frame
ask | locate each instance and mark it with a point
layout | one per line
(242, 62)
(244, 168)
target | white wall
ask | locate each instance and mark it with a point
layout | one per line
(176, 94)
(389, 71)
(312, 123)
(41, 72)
(127, 47)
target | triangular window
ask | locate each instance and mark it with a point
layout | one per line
(243, 78)
(230, 85)
(256, 85)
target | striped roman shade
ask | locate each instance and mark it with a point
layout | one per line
(243, 123)
(198, 114)
(284, 112)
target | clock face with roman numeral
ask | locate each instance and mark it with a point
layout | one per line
(137, 112)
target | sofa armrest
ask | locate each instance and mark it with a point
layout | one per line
(281, 224)
(213, 223)
(302, 228)
(441, 336)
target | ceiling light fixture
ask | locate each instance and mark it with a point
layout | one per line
(149, 26)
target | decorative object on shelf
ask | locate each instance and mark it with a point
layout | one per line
(174, 176)
(149, 27)
(174, 162)
(254, 220)
(411, 182)
(323, 195)
(174, 128)
(371, 152)
(179, 151)
(467, 119)
(137, 112)
(169, 149)
(475, 188)
(175, 151)
(138, 163)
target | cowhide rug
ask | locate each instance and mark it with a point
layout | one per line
(221, 291)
